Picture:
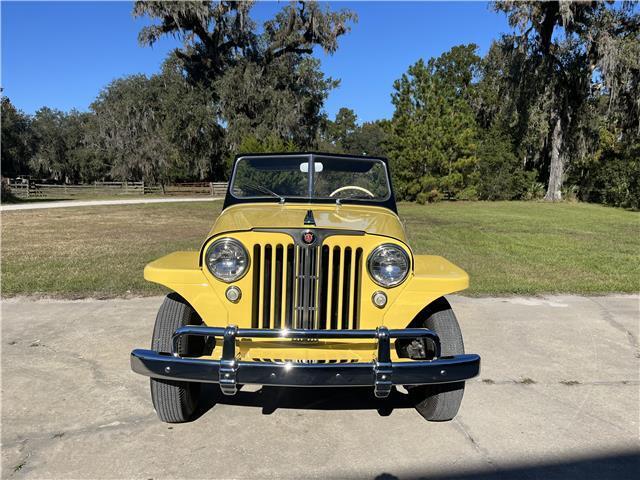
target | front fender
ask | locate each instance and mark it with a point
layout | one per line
(181, 272)
(433, 277)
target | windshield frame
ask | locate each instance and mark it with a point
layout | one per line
(386, 202)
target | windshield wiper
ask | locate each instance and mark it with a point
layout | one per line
(262, 189)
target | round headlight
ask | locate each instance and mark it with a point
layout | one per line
(227, 259)
(388, 265)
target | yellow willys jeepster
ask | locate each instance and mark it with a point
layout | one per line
(306, 279)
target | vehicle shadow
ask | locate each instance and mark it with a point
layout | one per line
(270, 399)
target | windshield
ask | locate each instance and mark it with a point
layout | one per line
(310, 177)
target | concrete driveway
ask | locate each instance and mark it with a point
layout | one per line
(558, 397)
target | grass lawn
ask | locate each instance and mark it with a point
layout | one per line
(88, 196)
(507, 247)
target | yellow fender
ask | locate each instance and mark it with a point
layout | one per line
(181, 272)
(433, 278)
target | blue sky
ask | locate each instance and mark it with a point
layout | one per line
(60, 54)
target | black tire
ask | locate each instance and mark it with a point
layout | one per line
(175, 402)
(441, 402)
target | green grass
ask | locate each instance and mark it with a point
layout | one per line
(507, 247)
(531, 247)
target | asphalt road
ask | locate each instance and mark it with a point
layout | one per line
(93, 203)
(558, 397)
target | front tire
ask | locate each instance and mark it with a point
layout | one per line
(441, 402)
(175, 402)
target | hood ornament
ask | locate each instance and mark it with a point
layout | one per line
(308, 219)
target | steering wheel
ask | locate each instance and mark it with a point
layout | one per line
(352, 187)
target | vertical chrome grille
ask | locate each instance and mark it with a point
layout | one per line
(307, 281)
(316, 287)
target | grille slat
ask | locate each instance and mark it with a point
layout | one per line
(267, 287)
(356, 289)
(313, 294)
(334, 280)
(272, 284)
(291, 285)
(351, 298)
(255, 314)
(261, 288)
(282, 276)
(340, 309)
(324, 292)
(306, 287)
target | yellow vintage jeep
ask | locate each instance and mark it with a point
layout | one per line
(307, 279)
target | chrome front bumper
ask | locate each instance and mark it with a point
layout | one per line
(381, 374)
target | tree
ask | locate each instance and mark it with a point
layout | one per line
(265, 80)
(559, 50)
(53, 145)
(433, 137)
(214, 34)
(219, 34)
(191, 124)
(611, 175)
(49, 158)
(158, 129)
(130, 134)
(501, 174)
(340, 131)
(85, 164)
(344, 135)
(370, 139)
(284, 99)
(17, 140)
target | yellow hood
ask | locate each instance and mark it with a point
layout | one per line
(369, 219)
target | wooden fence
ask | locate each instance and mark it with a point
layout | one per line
(216, 189)
(41, 190)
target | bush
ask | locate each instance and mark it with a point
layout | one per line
(469, 193)
(570, 193)
(534, 191)
(611, 176)
(429, 197)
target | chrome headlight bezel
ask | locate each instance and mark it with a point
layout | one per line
(377, 251)
(227, 241)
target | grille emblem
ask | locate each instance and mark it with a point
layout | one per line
(308, 237)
